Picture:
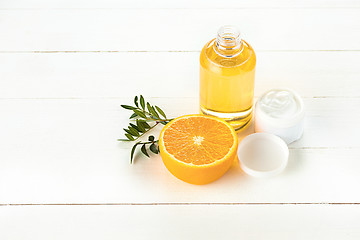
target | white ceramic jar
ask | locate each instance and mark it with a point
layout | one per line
(280, 112)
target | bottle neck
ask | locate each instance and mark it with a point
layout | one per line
(228, 42)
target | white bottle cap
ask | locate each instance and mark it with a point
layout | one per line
(263, 155)
(280, 112)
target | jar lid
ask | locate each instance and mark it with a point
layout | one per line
(263, 154)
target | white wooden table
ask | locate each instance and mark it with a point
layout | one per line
(67, 65)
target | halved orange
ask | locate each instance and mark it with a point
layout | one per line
(198, 149)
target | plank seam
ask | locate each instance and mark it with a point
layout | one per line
(172, 51)
(210, 8)
(122, 98)
(176, 204)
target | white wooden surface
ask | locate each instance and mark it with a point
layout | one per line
(181, 222)
(66, 66)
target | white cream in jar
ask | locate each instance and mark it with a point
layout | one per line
(280, 112)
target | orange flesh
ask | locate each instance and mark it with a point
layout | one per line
(198, 140)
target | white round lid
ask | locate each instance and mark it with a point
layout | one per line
(263, 154)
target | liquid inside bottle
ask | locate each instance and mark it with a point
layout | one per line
(227, 78)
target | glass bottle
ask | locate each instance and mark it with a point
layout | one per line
(227, 78)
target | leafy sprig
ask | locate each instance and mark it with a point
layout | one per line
(144, 117)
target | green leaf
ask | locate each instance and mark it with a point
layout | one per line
(129, 137)
(151, 138)
(148, 106)
(152, 111)
(133, 151)
(144, 124)
(128, 107)
(136, 127)
(140, 126)
(136, 101)
(164, 123)
(134, 132)
(139, 113)
(128, 131)
(123, 140)
(160, 111)
(153, 148)
(142, 102)
(134, 115)
(143, 150)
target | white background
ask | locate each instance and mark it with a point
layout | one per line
(67, 65)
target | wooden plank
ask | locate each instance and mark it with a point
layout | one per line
(153, 29)
(163, 74)
(65, 151)
(181, 222)
(141, 4)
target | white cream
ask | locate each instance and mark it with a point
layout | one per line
(279, 104)
(280, 112)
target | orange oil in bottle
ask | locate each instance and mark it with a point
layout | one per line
(227, 78)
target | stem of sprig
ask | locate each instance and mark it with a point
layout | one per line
(143, 114)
